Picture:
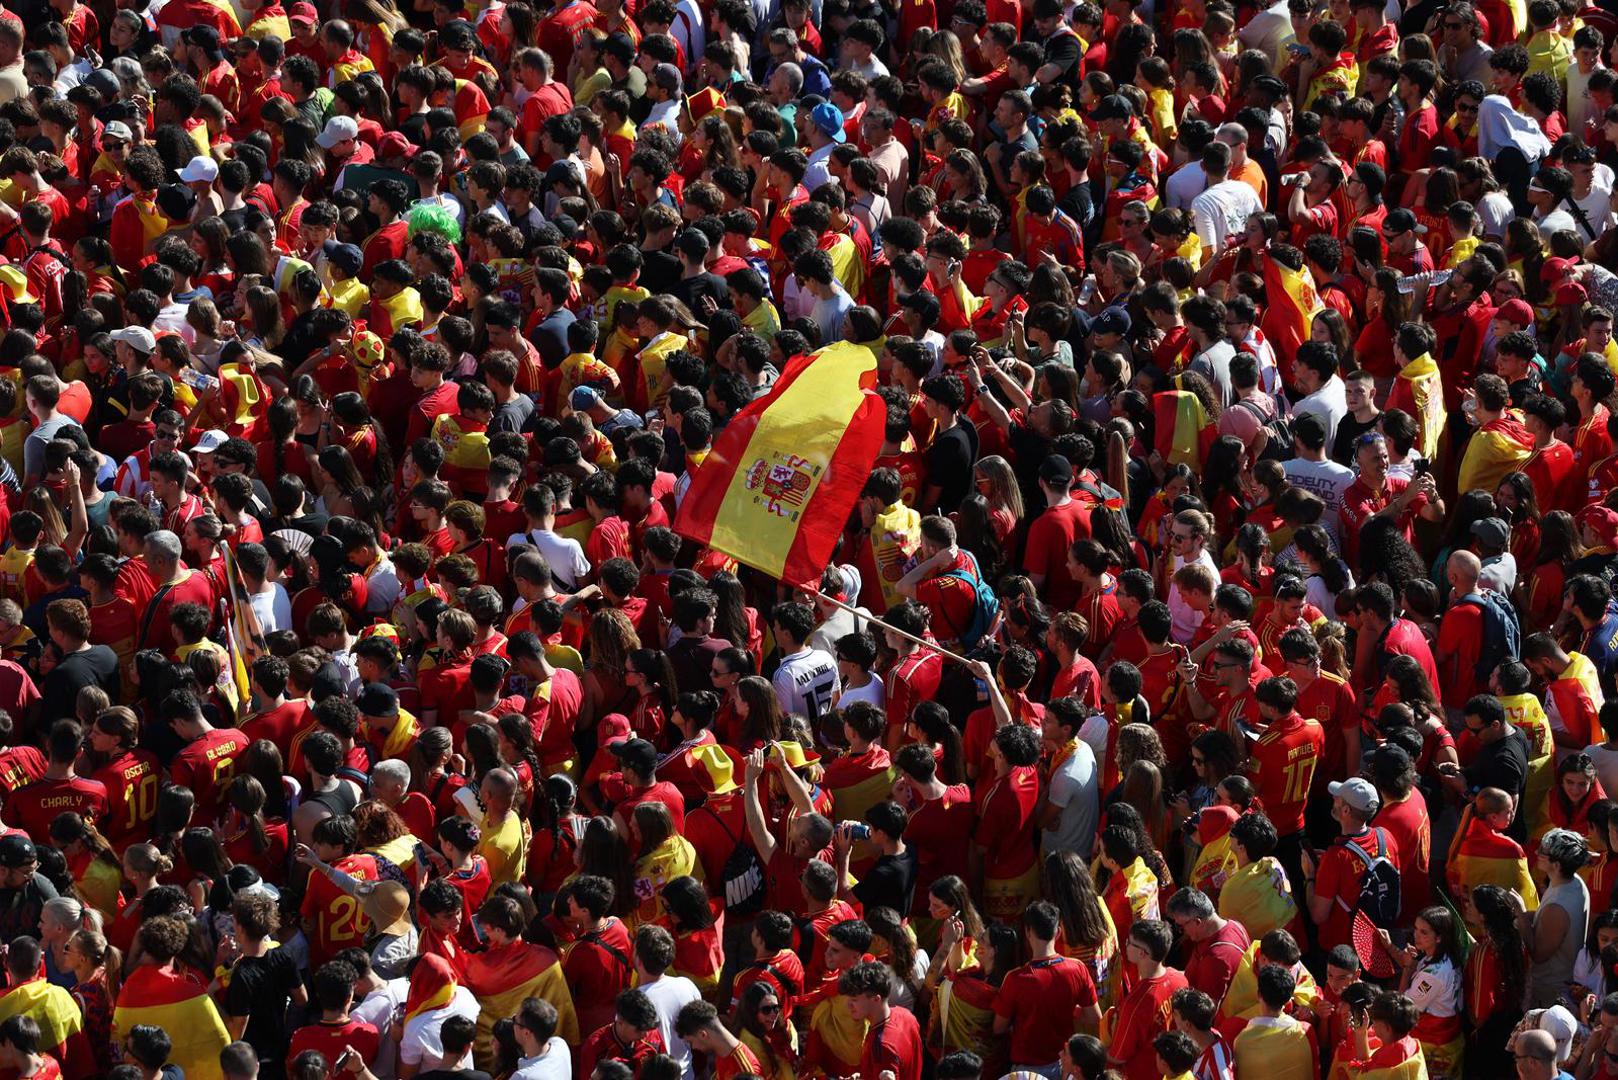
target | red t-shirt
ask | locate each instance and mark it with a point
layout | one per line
(1213, 962)
(20, 765)
(207, 766)
(279, 725)
(1338, 877)
(34, 806)
(1460, 636)
(1283, 767)
(598, 969)
(1410, 830)
(331, 1039)
(743, 1062)
(716, 828)
(448, 690)
(1050, 536)
(934, 833)
(1405, 637)
(1329, 702)
(662, 791)
(608, 540)
(912, 680)
(1142, 1017)
(1007, 827)
(893, 1046)
(1039, 1000)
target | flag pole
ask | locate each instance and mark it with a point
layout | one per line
(890, 629)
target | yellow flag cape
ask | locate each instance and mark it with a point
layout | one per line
(1428, 389)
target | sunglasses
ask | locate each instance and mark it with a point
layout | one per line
(771, 1010)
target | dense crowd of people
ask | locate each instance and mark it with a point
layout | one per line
(1215, 679)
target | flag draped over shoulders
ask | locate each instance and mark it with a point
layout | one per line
(176, 1001)
(782, 478)
(61, 1023)
(1183, 431)
(1427, 391)
(1497, 448)
(504, 976)
(1482, 856)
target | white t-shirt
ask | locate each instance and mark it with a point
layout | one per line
(1330, 403)
(555, 1063)
(1606, 763)
(1186, 619)
(378, 1009)
(273, 608)
(565, 555)
(421, 1042)
(806, 682)
(669, 995)
(1326, 479)
(1184, 185)
(873, 692)
(1222, 212)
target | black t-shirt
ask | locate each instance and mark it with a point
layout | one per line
(690, 291)
(1503, 764)
(660, 271)
(1062, 49)
(891, 882)
(95, 666)
(949, 463)
(1349, 431)
(260, 989)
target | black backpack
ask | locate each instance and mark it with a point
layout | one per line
(1379, 887)
(742, 877)
(1279, 429)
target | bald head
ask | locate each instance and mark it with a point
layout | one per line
(1464, 570)
(1536, 1054)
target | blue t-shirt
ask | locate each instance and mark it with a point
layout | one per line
(1601, 646)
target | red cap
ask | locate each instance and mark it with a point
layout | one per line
(1570, 292)
(1554, 270)
(394, 144)
(1603, 521)
(303, 12)
(1516, 311)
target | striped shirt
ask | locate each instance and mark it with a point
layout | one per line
(1217, 1062)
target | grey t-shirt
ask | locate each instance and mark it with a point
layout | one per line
(1549, 978)
(33, 449)
(1076, 788)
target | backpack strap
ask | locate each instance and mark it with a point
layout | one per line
(596, 938)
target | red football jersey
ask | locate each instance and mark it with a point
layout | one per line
(34, 806)
(1283, 767)
(207, 767)
(131, 780)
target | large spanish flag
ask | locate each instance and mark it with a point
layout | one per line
(1290, 310)
(1481, 856)
(505, 976)
(176, 1001)
(781, 480)
(1183, 430)
(1497, 448)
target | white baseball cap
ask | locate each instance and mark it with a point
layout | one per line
(136, 337)
(211, 441)
(337, 129)
(199, 168)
